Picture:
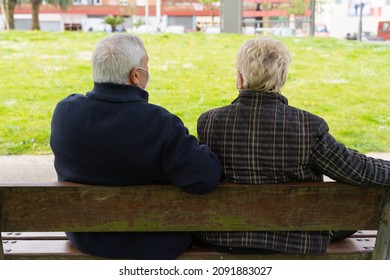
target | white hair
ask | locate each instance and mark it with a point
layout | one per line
(263, 64)
(115, 56)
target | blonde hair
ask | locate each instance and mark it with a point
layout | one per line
(263, 63)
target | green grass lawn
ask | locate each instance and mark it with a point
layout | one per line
(345, 82)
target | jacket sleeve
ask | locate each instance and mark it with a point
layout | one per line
(336, 161)
(190, 165)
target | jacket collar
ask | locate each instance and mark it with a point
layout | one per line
(252, 96)
(118, 93)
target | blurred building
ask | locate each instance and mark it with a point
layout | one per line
(87, 15)
(279, 17)
(342, 16)
(333, 18)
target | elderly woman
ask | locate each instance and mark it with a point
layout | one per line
(260, 139)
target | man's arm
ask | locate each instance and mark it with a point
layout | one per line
(190, 165)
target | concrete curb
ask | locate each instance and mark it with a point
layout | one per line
(34, 168)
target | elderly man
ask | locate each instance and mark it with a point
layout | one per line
(260, 139)
(113, 136)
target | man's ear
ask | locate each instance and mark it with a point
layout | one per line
(134, 77)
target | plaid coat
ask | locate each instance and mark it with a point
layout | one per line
(260, 139)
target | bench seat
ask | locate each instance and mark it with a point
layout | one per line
(55, 245)
(33, 216)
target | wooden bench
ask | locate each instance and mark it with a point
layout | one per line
(34, 216)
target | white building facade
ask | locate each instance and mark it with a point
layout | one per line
(342, 16)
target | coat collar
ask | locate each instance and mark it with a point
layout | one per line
(118, 93)
(252, 96)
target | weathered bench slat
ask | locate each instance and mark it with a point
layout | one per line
(361, 242)
(39, 245)
(33, 235)
(365, 233)
(55, 207)
(361, 234)
(166, 208)
(62, 249)
(41, 249)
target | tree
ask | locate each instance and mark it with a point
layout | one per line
(35, 4)
(113, 21)
(298, 7)
(10, 13)
(3, 13)
(35, 14)
(210, 4)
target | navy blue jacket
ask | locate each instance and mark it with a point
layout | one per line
(113, 136)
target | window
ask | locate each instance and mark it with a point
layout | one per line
(73, 26)
(97, 2)
(81, 2)
(385, 26)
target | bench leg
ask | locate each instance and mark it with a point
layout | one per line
(382, 245)
(1, 248)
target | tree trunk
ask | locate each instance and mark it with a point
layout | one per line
(10, 14)
(212, 13)
(35, 14)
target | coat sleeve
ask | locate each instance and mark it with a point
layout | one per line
(190, 165)
(348, 166)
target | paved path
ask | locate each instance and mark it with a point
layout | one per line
(27, 168)
(41, 168)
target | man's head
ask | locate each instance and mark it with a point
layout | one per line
(120, 59)
(262, 64)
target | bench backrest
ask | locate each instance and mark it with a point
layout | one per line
(293, 206)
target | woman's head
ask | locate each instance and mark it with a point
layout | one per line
(262, 64)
